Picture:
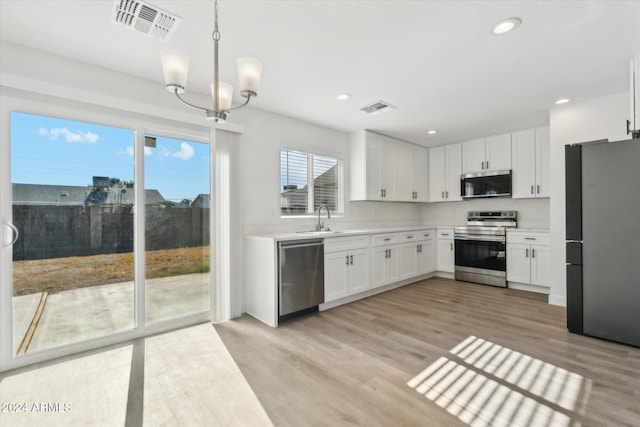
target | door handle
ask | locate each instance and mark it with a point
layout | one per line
(482, 165)
(533, 253)
(487, 165)
(526, 253)
(347, 257)
(443, 194)
(16, 234)
(447, 194)
(451, 246)
(351, 259)
(532, 189)
(538, 189)
(381, 192)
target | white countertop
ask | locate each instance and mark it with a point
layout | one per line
(339, 233)
(346, 233)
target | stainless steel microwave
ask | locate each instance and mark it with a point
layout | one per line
(486, 184)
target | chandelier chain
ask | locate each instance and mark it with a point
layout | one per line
(216, 32)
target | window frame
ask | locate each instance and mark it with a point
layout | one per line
(311, 209)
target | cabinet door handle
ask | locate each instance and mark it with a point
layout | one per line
(381, 192)
(446, 194)
(482, 166)
(532, 189)
(418, 248)
(529, 238)
(443, 194)
(487, 165)
(351, 259)
(533, 253)
(347, 257)
(445, 234)
(387, 239)
(409, 237)
(526, 253)
(538, 189)
(451, 246)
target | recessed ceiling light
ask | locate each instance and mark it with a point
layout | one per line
(506, 25)
(343, 97)
(562, 101)
(432, 132)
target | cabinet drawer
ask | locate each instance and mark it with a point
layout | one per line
(528, 238)
(416, 236)
(445, 234)
(385, 239)
(336, 244)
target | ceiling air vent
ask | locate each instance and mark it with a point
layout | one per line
(377, 108)
(145, 18)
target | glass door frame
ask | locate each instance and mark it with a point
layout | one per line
(45, 105)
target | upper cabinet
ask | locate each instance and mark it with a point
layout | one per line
(444, 173)
(487, 154)
(530, 160)
(384, 168)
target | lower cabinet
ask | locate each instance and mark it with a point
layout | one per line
(528, 258)
(347, 267)
(416, 258)
(386, 265)
(445, 258)
(346, 273)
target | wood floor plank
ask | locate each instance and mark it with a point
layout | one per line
(350, 365)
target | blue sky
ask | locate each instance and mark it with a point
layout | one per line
(47, 150)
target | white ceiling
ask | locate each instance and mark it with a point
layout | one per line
(434, 60)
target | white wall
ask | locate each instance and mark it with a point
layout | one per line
(259, 180)
(532, 213)
(601, 118)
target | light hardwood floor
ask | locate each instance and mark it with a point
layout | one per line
(354, 364)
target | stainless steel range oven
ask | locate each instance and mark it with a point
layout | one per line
(481, 247)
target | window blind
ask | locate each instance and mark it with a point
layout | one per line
(309, 181)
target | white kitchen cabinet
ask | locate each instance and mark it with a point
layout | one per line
(445, 250)
(346, 267)
(386, 265)
(416, 254)
(492, 153)
(530, 163)
(528, 259)
(373, 166)
(384, 168)
(445, 168)
(346, 273)
(419, 173)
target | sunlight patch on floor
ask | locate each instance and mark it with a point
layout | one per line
(485, 384)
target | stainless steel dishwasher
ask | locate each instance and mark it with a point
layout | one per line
(300, 277)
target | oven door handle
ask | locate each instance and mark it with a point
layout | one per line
(482, 238)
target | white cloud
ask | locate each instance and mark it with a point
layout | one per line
(72, 137)
(129, 151)
(164, 153)
(148, 151)
(186, 152)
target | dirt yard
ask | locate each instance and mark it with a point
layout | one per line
(61, 274)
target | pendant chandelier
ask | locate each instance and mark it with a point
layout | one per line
(175, 65)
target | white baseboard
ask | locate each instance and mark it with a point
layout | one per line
(527, 287)
(560, 300)
(445, 275)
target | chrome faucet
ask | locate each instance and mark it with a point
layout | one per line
(320, 225)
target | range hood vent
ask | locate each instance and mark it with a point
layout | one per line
(144, 18)
(377, 108)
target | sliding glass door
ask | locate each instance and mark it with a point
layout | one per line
(106, 233)
(72, 217)
(177, 227)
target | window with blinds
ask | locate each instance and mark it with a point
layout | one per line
(308, 181)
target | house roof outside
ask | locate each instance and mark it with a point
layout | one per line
(44, 194)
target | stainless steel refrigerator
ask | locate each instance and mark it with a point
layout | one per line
(603, 239)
